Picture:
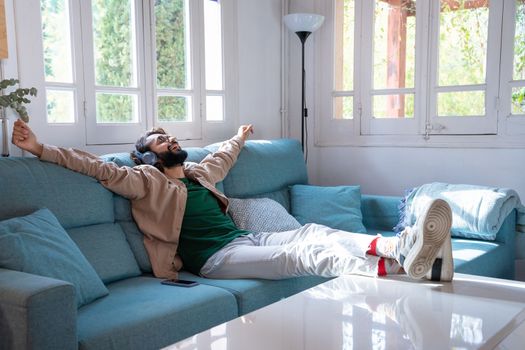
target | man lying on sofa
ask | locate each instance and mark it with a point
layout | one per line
(185, 223)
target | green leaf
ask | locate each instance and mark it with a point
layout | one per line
(17, 98)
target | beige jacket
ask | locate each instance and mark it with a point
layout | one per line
(157, 203)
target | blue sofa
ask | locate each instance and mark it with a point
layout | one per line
(139, 313)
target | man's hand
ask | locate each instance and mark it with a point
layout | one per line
(245, 131)
(24, 138)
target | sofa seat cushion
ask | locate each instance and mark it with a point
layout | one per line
(484, 258)
(141, 313)
(252, 294)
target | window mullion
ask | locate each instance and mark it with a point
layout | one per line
(149, 69)
(365, 21)
(88, 67)
(424, 68)
(493, 76)
(78, 61)
(509, 123)
(197, 59)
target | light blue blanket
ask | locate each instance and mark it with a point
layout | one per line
(478, 211)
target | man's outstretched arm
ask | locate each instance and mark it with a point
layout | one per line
(122, 180)
(216, 166)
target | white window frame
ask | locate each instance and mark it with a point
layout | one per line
(513, 125)
(84, 131)
(485, 124)
(97, 133)
(191, 129)
(386, 126)
(362, 130)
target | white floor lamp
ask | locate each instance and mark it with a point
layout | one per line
(303, 24)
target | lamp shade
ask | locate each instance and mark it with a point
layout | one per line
(303, 22)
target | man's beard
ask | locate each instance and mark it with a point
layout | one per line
(170, 159)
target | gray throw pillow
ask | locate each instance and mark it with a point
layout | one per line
(261, 215)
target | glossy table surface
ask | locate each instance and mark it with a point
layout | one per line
(354, 312)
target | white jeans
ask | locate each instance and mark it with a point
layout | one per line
(310, 250)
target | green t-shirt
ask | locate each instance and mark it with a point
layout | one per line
(205, 228)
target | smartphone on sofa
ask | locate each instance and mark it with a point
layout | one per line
(180, 283)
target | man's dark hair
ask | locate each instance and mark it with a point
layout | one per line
(142, 146)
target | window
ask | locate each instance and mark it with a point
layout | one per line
(389, 104)
(173, 64)
(58, 61)
(118, 67)
(419, 69)
(344, 67)
(463, 91)
(518, 74)
(513, 69)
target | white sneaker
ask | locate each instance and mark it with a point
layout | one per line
(421, 243)
(443, 267)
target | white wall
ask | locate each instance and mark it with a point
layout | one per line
(260, 66)
(390, 171)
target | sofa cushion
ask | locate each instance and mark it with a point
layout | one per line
(141, 313)
(264, 167)
(135, 239)
(134, 236)
(261, 215)
(484, 258)
(379, 212)
(478, 212)
(338, 207)
(75, 199)
(37, 244)
(252, 294)
(121, 159)
(106, 248)
(122, 208)
(281, 196)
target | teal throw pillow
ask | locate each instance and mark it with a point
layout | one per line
(336, 207)
(37, 244)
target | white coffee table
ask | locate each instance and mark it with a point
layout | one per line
(354, 312)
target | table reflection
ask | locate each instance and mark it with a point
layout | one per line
(357, 312)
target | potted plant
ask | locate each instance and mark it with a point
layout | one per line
(15, 100)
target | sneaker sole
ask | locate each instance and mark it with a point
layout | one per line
(434, 231)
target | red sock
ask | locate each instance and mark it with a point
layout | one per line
(372, 250)
(381, 268)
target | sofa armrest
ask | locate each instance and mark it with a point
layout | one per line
(36, 312)
(507, 231)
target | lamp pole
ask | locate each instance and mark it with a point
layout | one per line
(303, 35)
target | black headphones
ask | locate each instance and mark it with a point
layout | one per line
(147, 157)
